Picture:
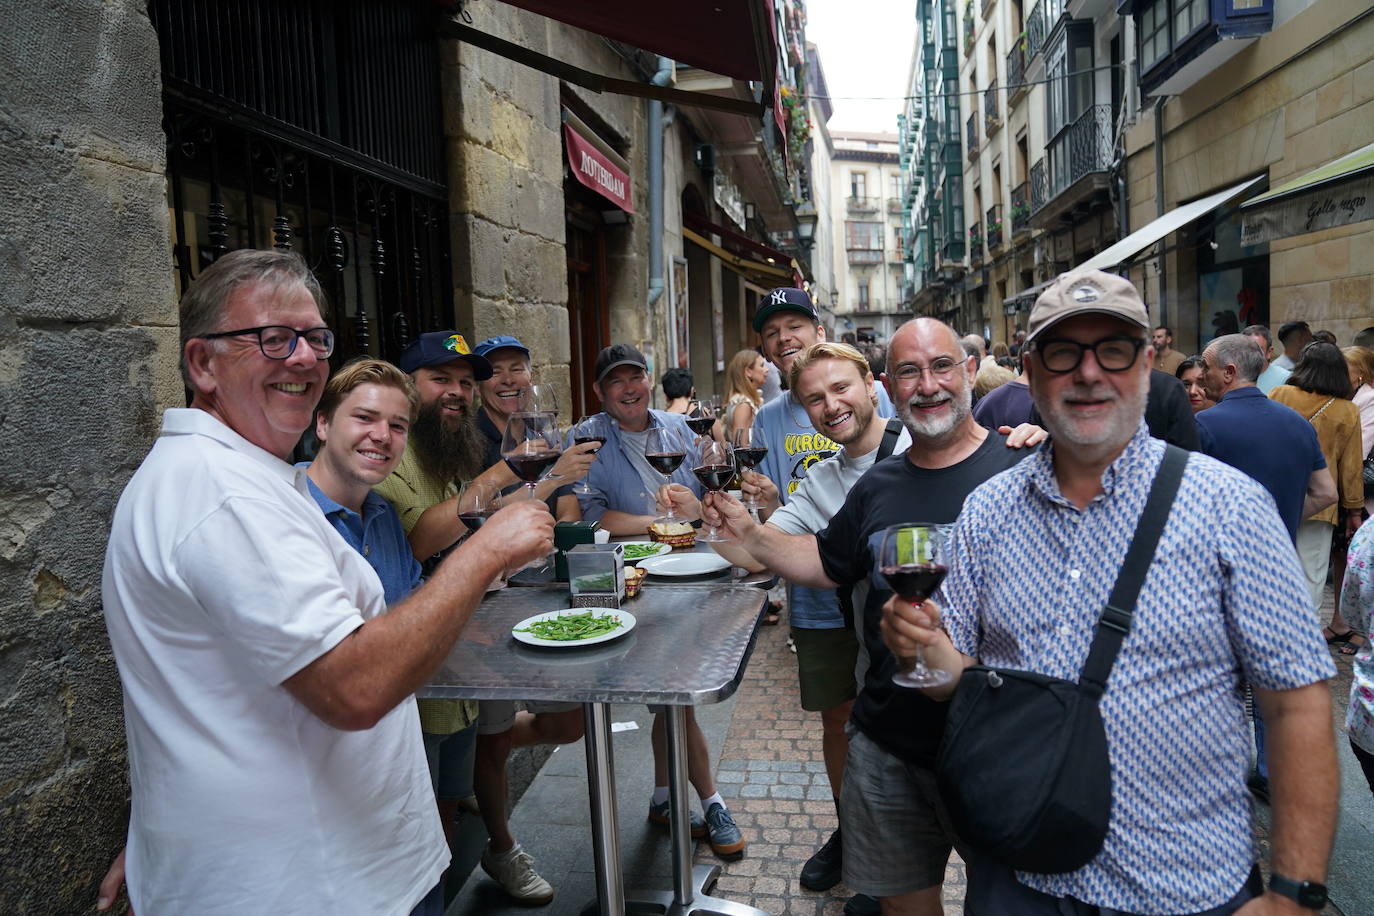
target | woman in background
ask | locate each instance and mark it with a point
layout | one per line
(1319, 389)
(1189, 372)
(743, 380)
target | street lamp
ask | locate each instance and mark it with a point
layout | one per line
(806, 226)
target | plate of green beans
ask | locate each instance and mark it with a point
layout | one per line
(582, 626)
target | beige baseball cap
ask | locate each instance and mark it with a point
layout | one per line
(1083, 291)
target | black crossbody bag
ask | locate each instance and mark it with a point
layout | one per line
(1023, 767)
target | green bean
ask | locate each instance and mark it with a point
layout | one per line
(571, 627)
(640, 551)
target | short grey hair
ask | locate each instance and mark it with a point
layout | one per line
(203, 303)
(1240, 351)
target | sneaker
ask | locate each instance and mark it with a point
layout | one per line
(862, 905)
(823, 870)
(724, 837)
(659, 814)
(515, 872)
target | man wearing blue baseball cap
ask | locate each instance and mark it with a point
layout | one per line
(500, 727)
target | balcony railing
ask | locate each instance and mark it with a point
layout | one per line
(895, 205)
(1016, 70)
(1082, 148)
(975, 242)
(862, 204)
(1020, 208)
(1035, 31)
(1039, 187)
(992, 115)
(968, 28)
(994, 226)
(865, 256)
(973, 135)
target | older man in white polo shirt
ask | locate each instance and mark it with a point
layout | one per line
(274, 748)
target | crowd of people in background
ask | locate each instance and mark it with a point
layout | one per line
(272, 621)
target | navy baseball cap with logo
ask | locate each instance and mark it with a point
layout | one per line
(784, 299)
(500, 342)
(439, 347)
(618, 355)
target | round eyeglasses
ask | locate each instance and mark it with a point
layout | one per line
(279, 342)
(1113, 354)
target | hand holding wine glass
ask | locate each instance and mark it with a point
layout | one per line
(910, 559)
(701, 419)
(590, 430)
(750, 450)
(665, 449)
(715, 466)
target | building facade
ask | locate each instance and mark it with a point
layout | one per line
(866, 216)
(1091, 130)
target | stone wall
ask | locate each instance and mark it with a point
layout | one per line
(505, 154)
(87, 359)
(1294, 100)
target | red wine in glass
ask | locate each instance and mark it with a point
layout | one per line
(751, 456)
(714, 477)
(914, 582)
(701, 425)
(473, 520)
(530, 466)
(666, 462)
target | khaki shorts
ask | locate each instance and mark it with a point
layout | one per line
(497, 716)
(825, 666)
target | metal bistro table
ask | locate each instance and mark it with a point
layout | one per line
(540, 577)
(688, 648)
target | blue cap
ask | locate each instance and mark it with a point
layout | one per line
(784, 299)
(438, 347)
(500, 342)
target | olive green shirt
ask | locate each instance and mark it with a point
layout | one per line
(412, 492)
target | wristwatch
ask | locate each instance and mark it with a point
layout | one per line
(1308, 894)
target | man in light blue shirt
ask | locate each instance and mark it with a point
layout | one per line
(622, 484)
(623, 487)
(1274, 374)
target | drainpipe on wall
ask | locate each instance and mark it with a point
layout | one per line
(655, 151)
(1159, 208)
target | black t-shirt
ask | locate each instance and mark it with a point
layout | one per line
(894, 491)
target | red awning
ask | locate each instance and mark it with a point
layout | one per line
(734, 38)
(595, 165)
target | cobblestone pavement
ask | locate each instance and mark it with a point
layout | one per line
(772, 772)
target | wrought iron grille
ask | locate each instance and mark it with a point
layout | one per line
(1020, 208)
(1016, 70)
(316, 127)
(1083, 147)
(992, 113)
(1039, 187)
(1035, 30)
(994, 226)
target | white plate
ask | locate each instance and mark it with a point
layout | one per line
(626, 618)
(660, 550)
(685, 564)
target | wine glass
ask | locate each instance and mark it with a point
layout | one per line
(715, 467)
(477, 503)
(595, 428)
(539, 399)
(530, 446)
(910, 561)
(664, 449)
(750, 450)
(702, 418)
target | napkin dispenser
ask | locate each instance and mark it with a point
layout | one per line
(566, 536)
(596, 575)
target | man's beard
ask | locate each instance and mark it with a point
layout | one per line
(960, 406)
(864, 412)
(1112, 432)
(449, 450)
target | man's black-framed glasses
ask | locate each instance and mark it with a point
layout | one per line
(1113, 354)
(279, 342)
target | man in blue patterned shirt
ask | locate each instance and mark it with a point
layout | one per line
(1036, 552)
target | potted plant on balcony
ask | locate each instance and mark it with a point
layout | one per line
(995, 232)
(1020, 212)
(975, 244)
(798, 122)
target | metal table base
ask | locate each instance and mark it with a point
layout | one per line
(690, 884)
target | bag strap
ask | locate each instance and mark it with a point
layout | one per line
(1321, 409)
(1115, 621)
(890, 437)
